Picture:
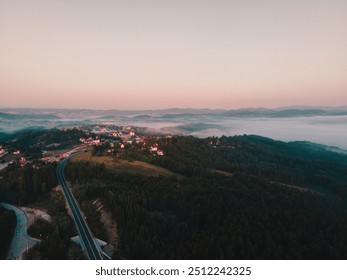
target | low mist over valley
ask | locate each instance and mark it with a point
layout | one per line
(324, 125)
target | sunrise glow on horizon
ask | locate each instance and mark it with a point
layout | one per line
(162, 54)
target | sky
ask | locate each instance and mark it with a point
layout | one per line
(151, 54)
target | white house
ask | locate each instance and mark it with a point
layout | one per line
(153, 149)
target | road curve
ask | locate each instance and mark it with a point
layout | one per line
(20, 241)
(86, 237)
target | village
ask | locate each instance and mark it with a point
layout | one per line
(100, 139)
(116, 140)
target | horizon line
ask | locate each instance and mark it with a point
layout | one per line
(178, 108)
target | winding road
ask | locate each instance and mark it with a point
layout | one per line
(91, 248)
(20, 241)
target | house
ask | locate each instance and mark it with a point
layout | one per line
(153, 149)
(160, 153)
(89, 141)
(22, 162)
(16, 152)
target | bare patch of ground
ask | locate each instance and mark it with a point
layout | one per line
(34, 214)
(224, 173)
(110, 225)
(290, 186)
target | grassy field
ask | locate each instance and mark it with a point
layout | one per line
(124, 166)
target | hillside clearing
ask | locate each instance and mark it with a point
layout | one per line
(124, 166)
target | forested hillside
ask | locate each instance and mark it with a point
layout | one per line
(7, 226)
(27, 185)
(243, 197)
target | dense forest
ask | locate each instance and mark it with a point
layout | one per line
(242, 197)
(27, 185)
(7, 226)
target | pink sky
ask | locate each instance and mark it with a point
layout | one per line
(159, 54)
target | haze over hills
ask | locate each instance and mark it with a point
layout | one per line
(324, 125)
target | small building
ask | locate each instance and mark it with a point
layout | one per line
(22, 162)
(153, 149)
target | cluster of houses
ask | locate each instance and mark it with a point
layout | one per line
(4, 152)
(22, 161)
(110, 140)
(154, 149)
(118, 139)
(90, 141)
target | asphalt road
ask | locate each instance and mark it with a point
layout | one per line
(91, 249)
(21, 241)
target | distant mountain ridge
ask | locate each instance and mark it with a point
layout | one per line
(285, 112)
(11, 116)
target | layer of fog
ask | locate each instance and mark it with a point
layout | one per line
(331, 131)
(327, 130)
